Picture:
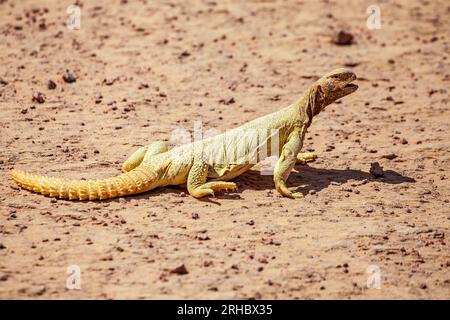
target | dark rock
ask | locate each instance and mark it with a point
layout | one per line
(51, 85)
(227, 101)
(203, 237)
(69, 77)
(181, 270)
(390, 156)
(351, 64)
(40, 291)
(38, 97)
(129, 108)
(109, 82)
(439, 235)
(184, 54)
(343, 38)
(376, 170)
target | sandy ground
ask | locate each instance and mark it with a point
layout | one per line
(146, 68)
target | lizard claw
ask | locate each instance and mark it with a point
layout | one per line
(291, 193)
(294, 195)
(297, 195)
(287, 192)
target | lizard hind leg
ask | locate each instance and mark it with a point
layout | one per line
(135, 159)
(197, 185)
(144, 153)
(156, 148)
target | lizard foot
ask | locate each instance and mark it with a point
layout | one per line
(220, 185)
(297, 195)
(210, 187)
(201, 192)
(305, 157)
(291, 193)
(288, 192)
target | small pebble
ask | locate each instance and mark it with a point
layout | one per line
(181, 270)
(390, 156)
(376, 170)
(38, 97)
(51, 85)
(69, 77)
(343, 38)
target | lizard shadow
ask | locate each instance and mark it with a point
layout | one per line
(311, 178)
(307, 179)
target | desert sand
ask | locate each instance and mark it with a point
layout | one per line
(146, 68)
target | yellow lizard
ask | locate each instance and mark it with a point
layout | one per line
(207, 165)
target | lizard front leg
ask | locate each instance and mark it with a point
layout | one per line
(197, 185)
(286, 162)
(144, 152)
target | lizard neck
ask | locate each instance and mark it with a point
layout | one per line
(304, 109)
(294, 117)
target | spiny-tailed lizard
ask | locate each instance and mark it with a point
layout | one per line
(206, 166)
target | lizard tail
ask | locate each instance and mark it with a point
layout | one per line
(137, 180)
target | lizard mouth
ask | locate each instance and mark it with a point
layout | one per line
(346, 89)
(351, 86)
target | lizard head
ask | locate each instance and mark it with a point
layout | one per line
(331, 87)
